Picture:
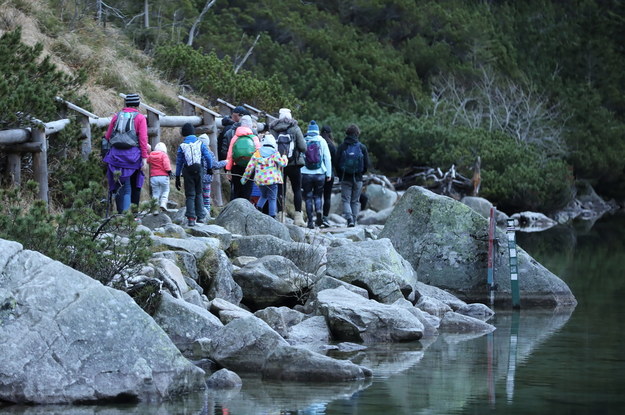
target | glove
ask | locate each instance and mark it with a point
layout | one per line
(178, 183)
(171, 174)
(243, 180)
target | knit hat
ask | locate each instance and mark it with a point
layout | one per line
(313, 128)
(240, 110)
(187, 130)
(326, 129)
(269, 141)
(285, 113)
(160, 147)
(132, 100)
(246, 121)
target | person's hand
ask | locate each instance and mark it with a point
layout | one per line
(144, 166)
(178, 187)
(171, 174)
(329, 179)
(243, 180)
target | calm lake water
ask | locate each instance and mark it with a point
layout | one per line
(536, 362)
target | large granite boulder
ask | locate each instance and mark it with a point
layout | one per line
(272, 281)
(185, 322)
(241, 217)
(66, 338)
(300, 364)
(374, 265)
(447, 244)
(354, 318)
(310, 258)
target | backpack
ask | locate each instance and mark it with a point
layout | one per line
(124, 135)
(242, 150)
(286, 145)
(352, 159)
(312, 156)
(192, 152)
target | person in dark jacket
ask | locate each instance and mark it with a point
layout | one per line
(230, 126)
(352, 163)
(326, 133)
(288, 125)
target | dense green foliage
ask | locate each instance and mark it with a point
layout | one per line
(431, 82)
(79, 236)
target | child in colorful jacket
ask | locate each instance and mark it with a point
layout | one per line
(266, 164)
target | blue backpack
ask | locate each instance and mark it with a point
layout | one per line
(352, 159)
(312, 156)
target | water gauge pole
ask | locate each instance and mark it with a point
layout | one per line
(514, 269)
(491, 236)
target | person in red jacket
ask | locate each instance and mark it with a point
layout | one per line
(126, 166)
(160, 172)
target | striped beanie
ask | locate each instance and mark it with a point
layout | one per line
(132, 100)
(313, 128)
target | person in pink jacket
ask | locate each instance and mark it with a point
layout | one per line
(160, 172)
(126, 167)
(267, 165)
(237, 168)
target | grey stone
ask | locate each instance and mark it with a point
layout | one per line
(447, 244)
(375, 266)
(67, 338)
(241, 217)
(353, 318)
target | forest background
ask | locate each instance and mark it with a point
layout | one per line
(535, 88)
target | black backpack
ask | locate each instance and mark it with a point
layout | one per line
(352, 159)
(286, 146)
(124, 135)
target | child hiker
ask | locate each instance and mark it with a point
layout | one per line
(265, 164)
(207, 175)
(189, 164)
(160, 172)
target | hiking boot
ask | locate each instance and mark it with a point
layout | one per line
(350, 223)
(298, 219)
(319, 219)
(191, 222)
(311, 224)
(201, 220)
(324, 222)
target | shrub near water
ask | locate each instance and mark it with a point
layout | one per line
(77, 237)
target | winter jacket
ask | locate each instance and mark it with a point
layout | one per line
(289, 125)
(339, 155)
(159, 164)
(181, 160)
(240, 131)
(141, 127)
(224, 138)
(326, 160)
(266, 168)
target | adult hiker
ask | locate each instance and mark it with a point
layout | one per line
(291, 143)
(326, 133)
(189, 163)
(352, 163)
(160, 172)
(230, 126)
(243, 145)
(127, 135)
(316, 171)
(265, 165)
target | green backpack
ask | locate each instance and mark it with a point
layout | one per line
(243, 149)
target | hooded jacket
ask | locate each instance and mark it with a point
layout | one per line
(339, 155)
(265, 164)
(289, 125)
(239, 132)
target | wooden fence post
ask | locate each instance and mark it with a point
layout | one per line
(40, 162)
(15, 168)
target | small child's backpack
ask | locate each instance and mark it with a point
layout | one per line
(286, 145)
(124, 135)
(352, 159)
(242, 150)
(312, 156)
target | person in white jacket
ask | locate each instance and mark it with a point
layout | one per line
(317, 170)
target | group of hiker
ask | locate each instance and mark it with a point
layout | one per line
(257, 164)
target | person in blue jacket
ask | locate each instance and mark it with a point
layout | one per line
(189, 163)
